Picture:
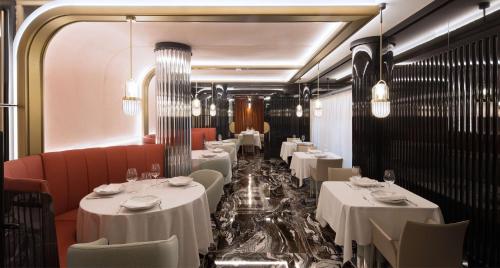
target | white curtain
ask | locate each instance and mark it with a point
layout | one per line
(332, 132)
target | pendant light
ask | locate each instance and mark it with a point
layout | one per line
(318, 106)
(299, 111)
(380, 104)
(213, 109)
(196, 104)
(131, 102)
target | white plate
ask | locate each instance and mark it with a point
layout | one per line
(320, 155)
(180, 181)
(217, 150)
(208, 155)
(363, 182)
(141, 202)
(109, 189)
(388, 196)
(226, 141)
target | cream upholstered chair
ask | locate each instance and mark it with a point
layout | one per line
(248, 140)
(422, 244)
(320, 173)
(341, 174)
(235, 141)
(213, 182)
(304, 147)
(161, 253)
(292, 139)
(221, 165)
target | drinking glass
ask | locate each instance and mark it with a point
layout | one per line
(155, 170)
(219, 137)
(131, 177)
(389, 177)
(303, 138)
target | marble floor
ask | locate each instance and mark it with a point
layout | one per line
(264, 220)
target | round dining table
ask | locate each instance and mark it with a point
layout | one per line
(183, 212)
(199, 156)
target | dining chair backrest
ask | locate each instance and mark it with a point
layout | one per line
(213, 182)
(292, 139)
(248, 139)
(304, 147)
(341, 174)
(261, 137)
(432, 245)
(323, 165)
(161, 253)
(218, 164)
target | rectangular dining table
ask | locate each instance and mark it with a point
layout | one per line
(302, 162)
(347, 209)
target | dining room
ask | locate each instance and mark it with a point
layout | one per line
(249, 133)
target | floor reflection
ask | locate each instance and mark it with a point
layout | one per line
(264, 221)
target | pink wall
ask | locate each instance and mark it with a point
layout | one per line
(84, 74)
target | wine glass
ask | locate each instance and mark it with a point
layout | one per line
(131, 175)
(303, 138)
(389, 177)
(155, 170)
(219, 137)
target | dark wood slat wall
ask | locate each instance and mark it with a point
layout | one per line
(252, 117)
(221, 120)
(280, 113)
(442, 137)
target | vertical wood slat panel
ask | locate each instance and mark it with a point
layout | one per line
(442, 137)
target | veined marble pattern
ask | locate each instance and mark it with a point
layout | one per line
(265, 221)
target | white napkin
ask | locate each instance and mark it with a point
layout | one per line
(388, 196)
(109, 188)
(141, 201)
(364, 181)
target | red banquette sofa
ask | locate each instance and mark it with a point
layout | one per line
(198, 137)
(70, 175)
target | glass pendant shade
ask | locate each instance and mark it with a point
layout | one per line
(213, 110)
(299, 111)
(131, 103)
(230, 112)
(196, 106)
(318, 108)
(380, 104)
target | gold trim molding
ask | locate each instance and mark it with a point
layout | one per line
(35, 36)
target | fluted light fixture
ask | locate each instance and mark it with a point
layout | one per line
(213, 108)
(196, 104)
(318, 106)
(131, 102)
(380, 104)
(299, 111)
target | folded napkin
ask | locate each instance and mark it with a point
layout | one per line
(141, 201)
(363, 181)
(109, 188)
(388, 196)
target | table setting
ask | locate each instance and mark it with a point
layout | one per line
(348, 206)
(200, 156)
(147, 210)
(302, 162)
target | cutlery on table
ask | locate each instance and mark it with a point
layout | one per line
(99, 197)
(368, 200)
(411, 202)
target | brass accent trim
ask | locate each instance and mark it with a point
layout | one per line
(34, 39)
(145, 103)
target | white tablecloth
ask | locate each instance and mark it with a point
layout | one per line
(287, 150)
(184, 212)
(256, 138)
(197, 158)
(348, 213)
(302, 163)
(226, 146)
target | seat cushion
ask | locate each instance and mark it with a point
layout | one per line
(66, 236)
(210, 134)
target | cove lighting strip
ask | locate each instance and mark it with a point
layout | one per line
(443, 29)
